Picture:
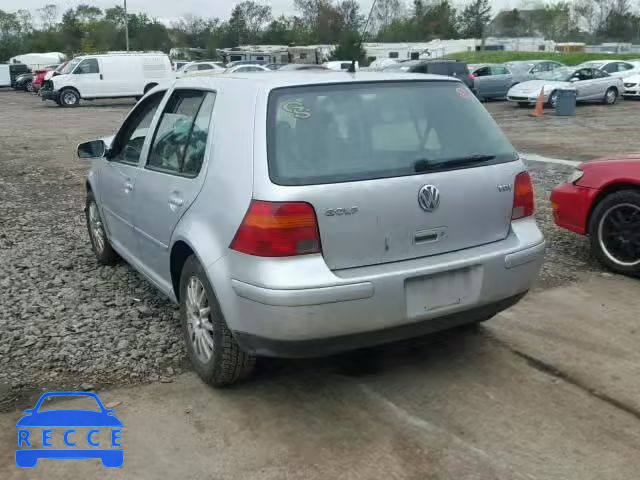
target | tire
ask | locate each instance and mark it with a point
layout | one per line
(214, 353)
(610, 96)
(28, 87)
(104, 252)
(615, 233)
(553, 99)
(69, 98)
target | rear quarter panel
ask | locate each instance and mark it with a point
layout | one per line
(211, 222)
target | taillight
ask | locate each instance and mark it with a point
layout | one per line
(523, 203)
(278, 229)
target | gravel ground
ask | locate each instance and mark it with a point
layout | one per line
(67, 322)
(596, 130)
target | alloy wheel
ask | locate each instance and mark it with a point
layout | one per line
(96, 231)
(619, 234)
(199, 324)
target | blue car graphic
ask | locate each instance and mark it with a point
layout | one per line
(105, 418)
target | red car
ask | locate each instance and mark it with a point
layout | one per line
(38, 75)
(602, 200)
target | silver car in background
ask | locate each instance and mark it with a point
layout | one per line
(302, 214)
(492, 80)
(615, 68)
(590, 84)
(524, 70)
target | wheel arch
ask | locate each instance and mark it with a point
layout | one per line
(180, 251)
(605, 192)
(71, 87)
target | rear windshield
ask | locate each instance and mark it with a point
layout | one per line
(361, 131)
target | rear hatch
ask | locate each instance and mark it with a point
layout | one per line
(394, 170)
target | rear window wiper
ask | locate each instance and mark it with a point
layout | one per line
(424, 165)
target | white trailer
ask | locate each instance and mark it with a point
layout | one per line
(5, 75)
(37, 60)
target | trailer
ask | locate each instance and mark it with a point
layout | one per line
(5, 75)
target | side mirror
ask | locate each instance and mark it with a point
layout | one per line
(92, 149)
(573, 79)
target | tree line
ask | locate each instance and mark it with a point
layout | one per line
(88, 29)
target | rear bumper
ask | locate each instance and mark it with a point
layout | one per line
(273, 304)
(571, 205)
(326, 346)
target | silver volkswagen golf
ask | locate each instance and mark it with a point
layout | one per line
(302, 214)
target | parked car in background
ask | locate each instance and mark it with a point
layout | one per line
(590, 84)
(247, 62)
(40, 74)
(178, 64)
(602, 200)
(290, 67)
(451, 68)
(245, 68)
(198, 67)
(15, 70)
(357, 213)
(527, 70)
(340, 65)
(24, 82)
(631, 87)
(115, 75)
(615, 68)
(492, 80)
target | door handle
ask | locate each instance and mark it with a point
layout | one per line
(128, 186)
(101, 77)
(175, 201)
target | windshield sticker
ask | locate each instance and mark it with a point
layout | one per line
(463, 92)
(297, 109)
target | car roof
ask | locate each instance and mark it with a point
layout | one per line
(277, 79)
(530, 62)
(121, 54)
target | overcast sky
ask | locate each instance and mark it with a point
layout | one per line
(170, 9)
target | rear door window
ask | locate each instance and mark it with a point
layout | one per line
(359, 131)
(181, 137)
(499, 70)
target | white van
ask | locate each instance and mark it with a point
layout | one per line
(112, 75)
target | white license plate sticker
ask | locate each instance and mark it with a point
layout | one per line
(427, 294)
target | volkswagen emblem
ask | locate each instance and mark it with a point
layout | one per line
(429, 198)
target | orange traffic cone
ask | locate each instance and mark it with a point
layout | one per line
(538, 111)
